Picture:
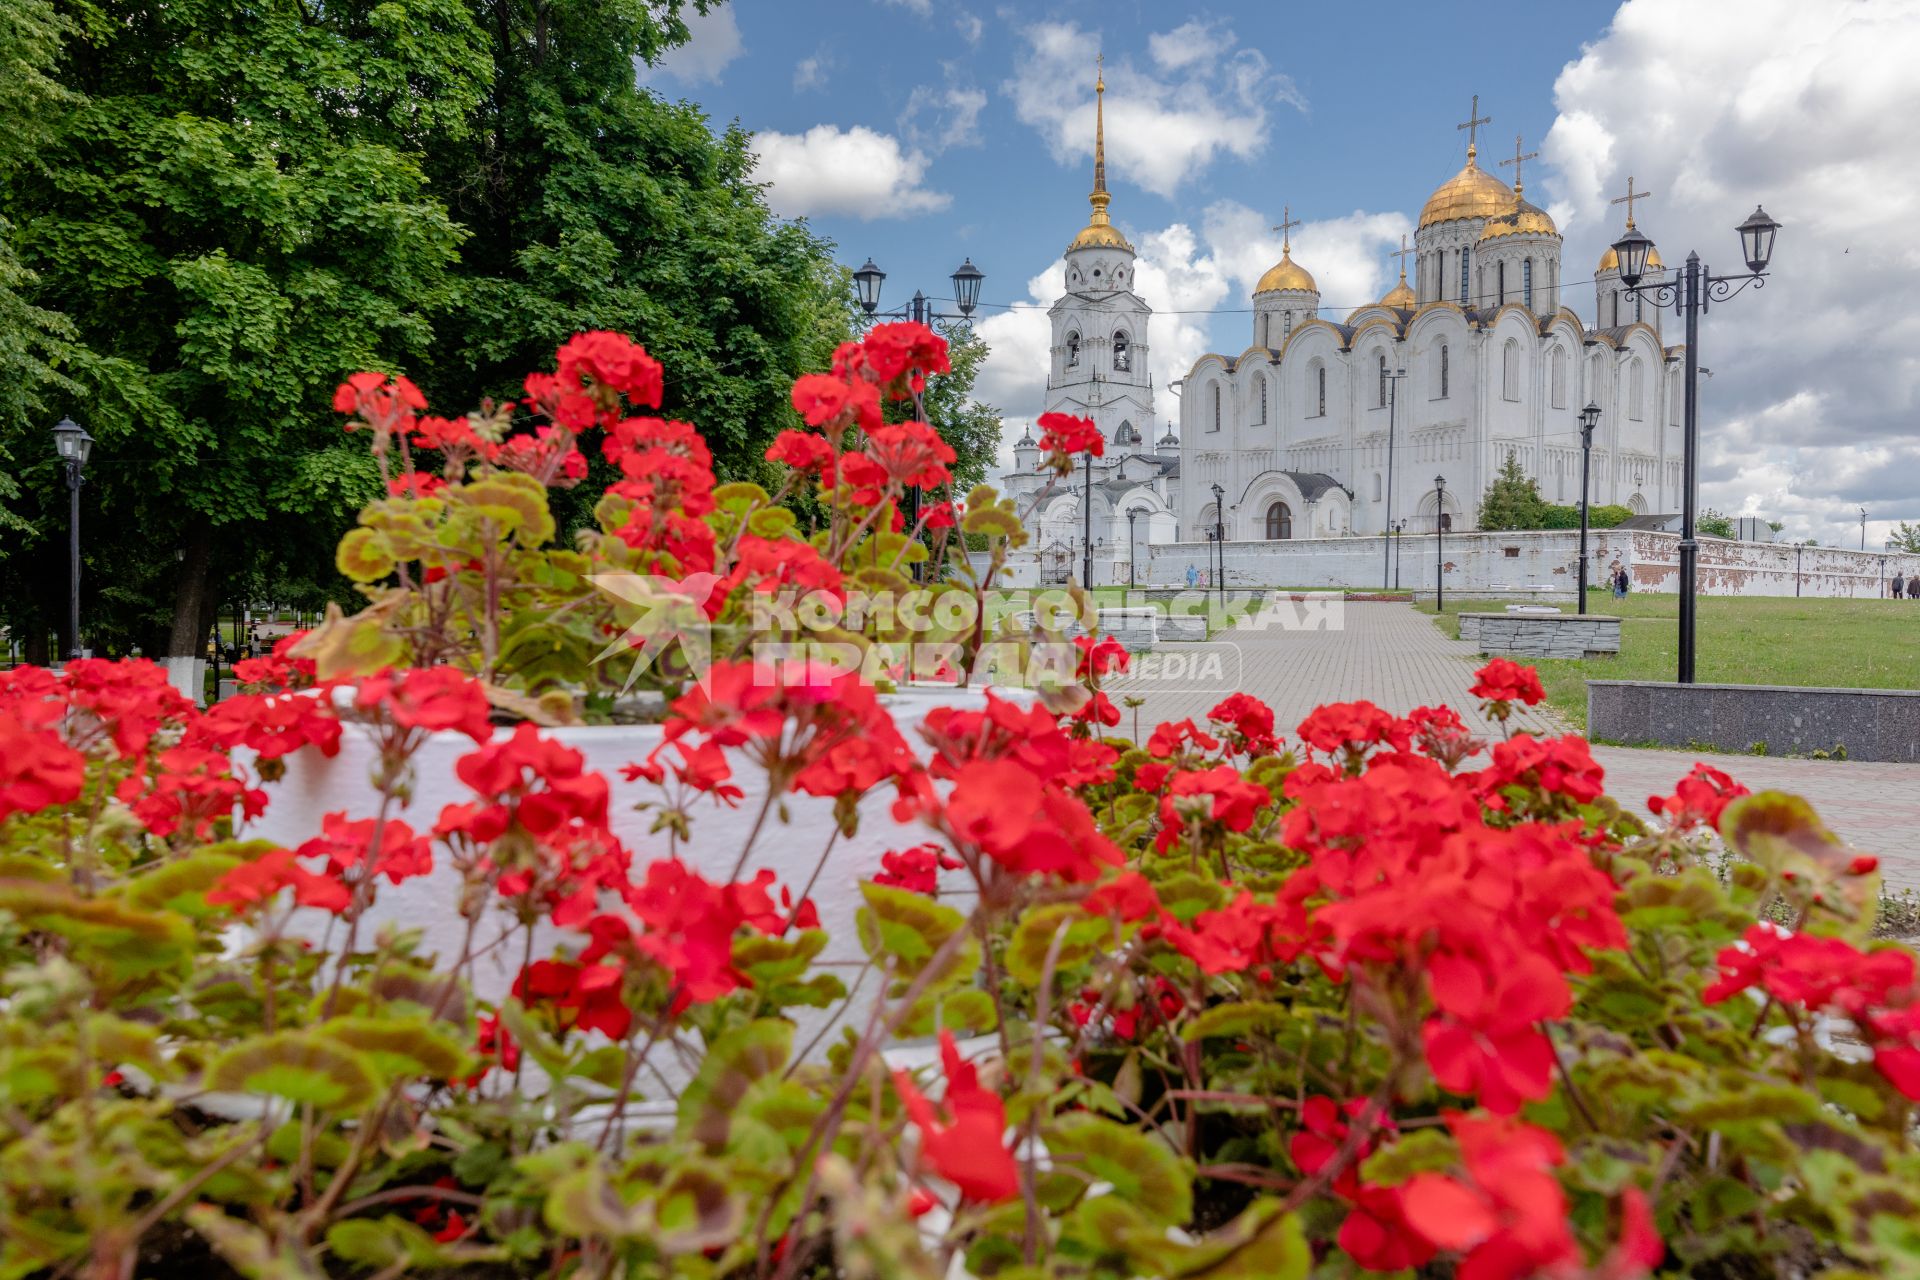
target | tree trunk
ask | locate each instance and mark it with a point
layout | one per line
(188, 636)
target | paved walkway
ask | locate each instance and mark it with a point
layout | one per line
(1388, 653)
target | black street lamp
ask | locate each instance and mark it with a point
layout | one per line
(1589, 419)
(1798, 549)
(1393, 408)
(73, 445)
(1440, 544)
(1399, 532)
(1691, 293)
(1220, 541)
(1863, 528)
(1133, 543)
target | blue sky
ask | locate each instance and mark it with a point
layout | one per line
(918, 132)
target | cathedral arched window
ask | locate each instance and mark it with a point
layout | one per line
(1510, 370)
(1559, 377)
(1122, 355)
(1526, 283)
(1216, 408)
(1440, 374)
(1073, 351)
(1320, 389)
(1260, 398)
(1500, 276)
(1466, 288)
(1286, 326)
(1636, 388)
(1636, 308)
(1128, 434)
(1383, 380)
(1279, 522)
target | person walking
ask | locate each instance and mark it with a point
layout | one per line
(1193, 576)
(1899, 584)
(1620, 583)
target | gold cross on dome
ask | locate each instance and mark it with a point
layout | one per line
(1287, 223)
(1402, 253)
(1629, 198)
(1472, 126)
(1518, 160)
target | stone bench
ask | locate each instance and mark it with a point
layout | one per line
(1187, 629)
(1861, 724)
(1541, 635)
(1136, 628)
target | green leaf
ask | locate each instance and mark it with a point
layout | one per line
(1238, 1019)
(363, 556)
(733, 1064)
(1262, 1243)
(907, 929)
(402, 1048)
(1143, 1172)
(107, 933)
(301, 1066)
(1027, 949)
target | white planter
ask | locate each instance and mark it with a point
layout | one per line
(315, 786)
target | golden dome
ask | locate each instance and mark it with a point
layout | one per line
(1522, 220)
(1610, 261)
(1470, 193)
(1099, 235)
(1400, 296)
(1286, 274)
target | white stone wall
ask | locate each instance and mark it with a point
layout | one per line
(1536, 561)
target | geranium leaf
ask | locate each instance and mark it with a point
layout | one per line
(300, 1066)
(908, 928)
(1143, 1172)
(401, 1048)
(733, 1063)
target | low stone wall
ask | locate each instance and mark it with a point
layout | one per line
(1135, 628)
(1189, 629)
(1541, 635)
(1864, 724)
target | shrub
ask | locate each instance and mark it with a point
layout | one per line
(1367, 995)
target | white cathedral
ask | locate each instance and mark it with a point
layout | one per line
(1293, 432)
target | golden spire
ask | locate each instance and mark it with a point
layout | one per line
(1472, 126)
(1099, 231)
(1099, 197)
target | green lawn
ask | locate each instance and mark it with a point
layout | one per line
(1862, 644)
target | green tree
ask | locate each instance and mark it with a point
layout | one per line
(593, 203)
(1512, 500)
(972, 428)
(230, 216)
(1715, 523)
(1905, 538)
(31, 337)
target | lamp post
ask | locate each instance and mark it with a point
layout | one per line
(1798, 549)
(1393, 408)
(73, 445)
(1589, 419)
(1691, 293)
(966, 279)
(1399, 532)
(1440, 544)
(1220, 541)
(1132, 543)
(1863, 528)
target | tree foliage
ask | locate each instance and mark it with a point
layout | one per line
(1512, 499)
(1714, 523)
(1905, 538)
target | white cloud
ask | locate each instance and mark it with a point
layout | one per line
(1202, 99)
(811, 72)
(852, 171)
(1346, 257)
(970, 27)
(712, 43)
(937, 119)
(922, 7)
(1714, 106)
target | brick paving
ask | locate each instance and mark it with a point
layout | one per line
(1392, 655)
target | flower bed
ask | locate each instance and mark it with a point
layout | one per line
(1361, 994)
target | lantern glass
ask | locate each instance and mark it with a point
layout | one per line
(1632, 250)
(71, 441)
(966, 286)
(1756, 239)
(866, 285)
